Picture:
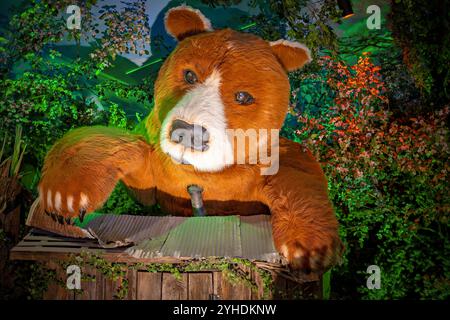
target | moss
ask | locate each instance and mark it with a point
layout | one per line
(231, 269)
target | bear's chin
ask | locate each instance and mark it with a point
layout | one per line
(199, 165)
(177, 160)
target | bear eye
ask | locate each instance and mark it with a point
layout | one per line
(190, 77)
(244, 98)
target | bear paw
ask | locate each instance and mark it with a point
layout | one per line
(64, 206)
(312, 255)
(64, 199)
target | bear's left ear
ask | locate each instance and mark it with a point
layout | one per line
(184, 21)
(292, 55)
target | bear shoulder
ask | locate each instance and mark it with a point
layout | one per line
(294, 155)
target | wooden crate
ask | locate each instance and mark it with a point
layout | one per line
(144, 285)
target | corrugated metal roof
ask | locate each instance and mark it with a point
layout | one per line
(121, 230)
(256, 238)
(247, 237)
(199, 237)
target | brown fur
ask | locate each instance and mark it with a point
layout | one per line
(92, 160)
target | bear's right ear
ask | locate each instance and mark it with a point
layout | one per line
(184, 21)
(292, 55)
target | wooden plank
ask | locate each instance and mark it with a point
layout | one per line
(227, 289)
(217, 285)
(246, 291)
(200, 286)
(149, 286)
(46, 243)
(57, 249)
(57, 291)
(99, 285)
(109, 288)
(112, 287)
(174, 289)
(54, 244)
(259, 294)
(88, 286)
(111, 256)
(37, 237)
(236, 291)
(132, 284)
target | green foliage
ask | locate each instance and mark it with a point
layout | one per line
(48, 94)
(46, 103)
(121, 201)
(388, 179)
(422, 30)
(298, 21)
(13, 162)
(39, 279)
(25, 279)
(140, 93)
(117, 117)
(31, 30)
(326, 285)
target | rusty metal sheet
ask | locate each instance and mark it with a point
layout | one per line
(248, 237)
(200, 237)
(256, 239)
(117, 230)
(149, 248)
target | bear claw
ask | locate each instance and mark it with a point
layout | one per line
(82, 214)
(59, 218)
(316, 260)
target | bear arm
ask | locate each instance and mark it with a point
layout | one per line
(305, 229)
(83, 167)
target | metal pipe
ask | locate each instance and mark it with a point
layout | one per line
(195, 192)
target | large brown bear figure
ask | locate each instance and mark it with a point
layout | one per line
(214, 81)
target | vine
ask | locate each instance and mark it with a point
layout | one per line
(230, 269)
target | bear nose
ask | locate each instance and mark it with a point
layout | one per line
(189, 135)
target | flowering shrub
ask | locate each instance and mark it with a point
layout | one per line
(126, 31)
(388, 181)
(48, 96)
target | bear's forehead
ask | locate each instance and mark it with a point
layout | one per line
(226, 39)
(227, 47)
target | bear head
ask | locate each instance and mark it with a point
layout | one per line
(217, 82)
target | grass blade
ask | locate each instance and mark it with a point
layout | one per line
(326, 285)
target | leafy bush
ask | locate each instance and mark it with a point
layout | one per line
(47, 93)
(121, 201)
(421, 28)
(388, 179)
(46, 106)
